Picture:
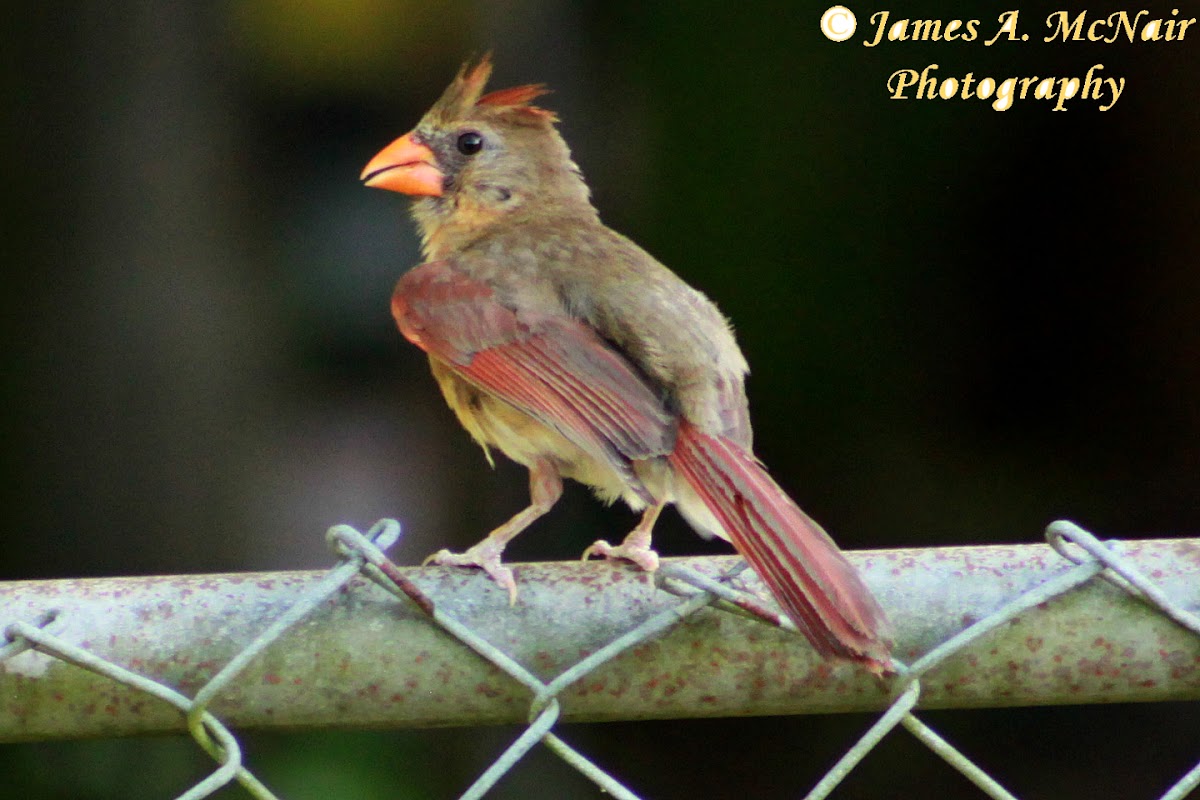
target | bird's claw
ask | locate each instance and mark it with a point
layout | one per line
(639, 554)
(485, 558)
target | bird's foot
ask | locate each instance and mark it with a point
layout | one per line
(636, 547)
(486, 556)
(639, 552)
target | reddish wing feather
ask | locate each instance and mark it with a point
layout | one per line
(553, 368)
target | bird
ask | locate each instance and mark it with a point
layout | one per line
(575, 353)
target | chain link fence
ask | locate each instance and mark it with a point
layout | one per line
(1077, 621)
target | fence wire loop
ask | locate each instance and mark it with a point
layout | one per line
(1108, 553)
(47, 621)
(349, 544)
(685, 581)
(364, 554)
(374, 565)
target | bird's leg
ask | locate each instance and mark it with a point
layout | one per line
(545, 487)
(636, 547)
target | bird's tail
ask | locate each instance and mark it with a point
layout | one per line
(805, 570)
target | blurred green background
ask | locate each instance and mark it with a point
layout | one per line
(963, 324)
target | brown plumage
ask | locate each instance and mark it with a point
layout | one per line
(574, 352)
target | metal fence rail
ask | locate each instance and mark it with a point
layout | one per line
(1073, 622)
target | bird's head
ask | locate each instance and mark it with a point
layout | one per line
(475, 158)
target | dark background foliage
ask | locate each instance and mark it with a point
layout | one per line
(963, 325)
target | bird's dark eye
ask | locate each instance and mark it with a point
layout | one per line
(470, 143)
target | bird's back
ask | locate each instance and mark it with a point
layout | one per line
(670, 332)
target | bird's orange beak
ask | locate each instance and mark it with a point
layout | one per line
(405, 166)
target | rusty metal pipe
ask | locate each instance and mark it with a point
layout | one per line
(365, 659)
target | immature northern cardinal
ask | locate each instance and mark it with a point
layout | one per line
(571, 350)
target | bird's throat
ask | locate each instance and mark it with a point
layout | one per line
(449, 224)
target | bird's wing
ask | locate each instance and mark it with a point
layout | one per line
(554, 368)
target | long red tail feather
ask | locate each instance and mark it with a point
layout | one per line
(805, 570)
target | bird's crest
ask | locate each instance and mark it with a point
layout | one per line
(465, 95)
